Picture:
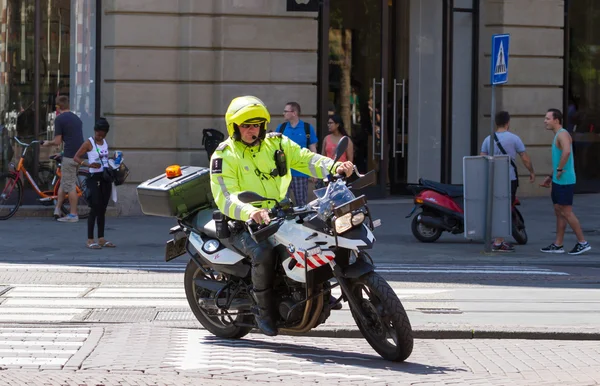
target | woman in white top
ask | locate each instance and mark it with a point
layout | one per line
(99, 188)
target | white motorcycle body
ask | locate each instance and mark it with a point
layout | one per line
(307, 246)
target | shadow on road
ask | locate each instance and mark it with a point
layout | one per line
(333, 356)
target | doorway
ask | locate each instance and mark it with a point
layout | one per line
(368, 85)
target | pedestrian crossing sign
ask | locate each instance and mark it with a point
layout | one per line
(499, 59)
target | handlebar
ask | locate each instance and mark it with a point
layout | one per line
(23, 143)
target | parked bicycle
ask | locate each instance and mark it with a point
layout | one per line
(12, 189)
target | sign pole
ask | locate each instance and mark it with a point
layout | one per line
(490, 178)
(498, 75)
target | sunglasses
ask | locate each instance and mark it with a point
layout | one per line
(249, 125)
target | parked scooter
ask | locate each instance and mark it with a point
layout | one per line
(442, 210)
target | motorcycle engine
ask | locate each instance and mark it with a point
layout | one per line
(288, 302)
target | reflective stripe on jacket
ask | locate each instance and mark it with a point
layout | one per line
(236, 167)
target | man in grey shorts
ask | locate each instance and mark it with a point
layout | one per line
(507, 143)
(68, 129)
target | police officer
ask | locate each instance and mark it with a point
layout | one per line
(247, 161)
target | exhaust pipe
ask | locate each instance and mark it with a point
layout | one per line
(433, 222)
(236, 304)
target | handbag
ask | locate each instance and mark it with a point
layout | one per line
(120, 174)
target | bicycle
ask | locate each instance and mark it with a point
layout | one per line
(11, 181)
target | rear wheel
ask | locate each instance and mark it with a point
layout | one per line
(424, 233)
(381, 318)
(218, 322)
(11, 195)
(518, 227)
(83, 209)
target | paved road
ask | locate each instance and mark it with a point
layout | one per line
(146, 355)
(114, 292)
(141, 239)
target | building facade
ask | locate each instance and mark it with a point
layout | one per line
(410, 78)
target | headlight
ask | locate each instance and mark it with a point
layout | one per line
(348, 221)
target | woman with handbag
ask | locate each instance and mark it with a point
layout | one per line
(99, 183)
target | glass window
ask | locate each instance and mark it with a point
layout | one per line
(583, 111)
(16, 74)
(67, 67)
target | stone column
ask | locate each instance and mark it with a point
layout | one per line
(535, 77)
(170, 69)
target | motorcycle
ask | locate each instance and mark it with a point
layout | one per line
(442, 210)
(326, 239)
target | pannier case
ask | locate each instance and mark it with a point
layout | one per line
(178, 196)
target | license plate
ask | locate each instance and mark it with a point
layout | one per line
(175, 249)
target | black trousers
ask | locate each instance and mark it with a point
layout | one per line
(100, 191)
(263, 259)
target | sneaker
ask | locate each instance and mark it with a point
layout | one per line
(503, 247)
(69, 218)
(552, 248)
(579, 248)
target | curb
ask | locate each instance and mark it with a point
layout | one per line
(47, 211)
(462, 334)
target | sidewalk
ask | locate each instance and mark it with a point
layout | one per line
(41, 239)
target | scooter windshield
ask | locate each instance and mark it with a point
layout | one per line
(335, 194)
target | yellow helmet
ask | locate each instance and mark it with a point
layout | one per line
(246, 109)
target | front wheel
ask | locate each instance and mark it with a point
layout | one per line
(424, 233)
(381, 318)
(11, 195)
(518, 227)
(218, 322)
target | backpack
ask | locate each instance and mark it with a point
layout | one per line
(211, 138)
(306, 130)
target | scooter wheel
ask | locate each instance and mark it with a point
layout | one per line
(424, 233)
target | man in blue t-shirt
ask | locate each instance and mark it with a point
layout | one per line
(294, 129)
(508, 144)
(67, 130)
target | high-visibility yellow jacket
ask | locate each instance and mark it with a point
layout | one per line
(236, 167)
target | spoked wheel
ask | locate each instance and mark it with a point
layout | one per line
(83, 209)
(519, 232)
(424, 233)
(218, 322)
(11, 195)
(381, 318)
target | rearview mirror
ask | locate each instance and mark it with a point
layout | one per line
(247, 197)
(340, 149)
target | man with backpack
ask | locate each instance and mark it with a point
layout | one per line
(507, 143)
(305, 136)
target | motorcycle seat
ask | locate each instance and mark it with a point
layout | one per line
(204, 223)
(453, 191)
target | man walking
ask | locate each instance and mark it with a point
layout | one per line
(507, 143)
(68, 129)
(562, 180)
(305, 136)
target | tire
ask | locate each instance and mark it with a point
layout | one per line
(83, 209)
(519, 232)
(217, 328)
(383, 298)
(11, 203)
(424, 233)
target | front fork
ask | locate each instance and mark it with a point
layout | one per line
(344, 278)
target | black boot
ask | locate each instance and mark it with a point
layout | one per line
(264, 318)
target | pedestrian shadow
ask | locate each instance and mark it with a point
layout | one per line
(337, 360)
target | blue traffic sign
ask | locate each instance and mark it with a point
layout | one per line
(499, 60)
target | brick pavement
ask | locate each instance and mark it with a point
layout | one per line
(141, 354)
